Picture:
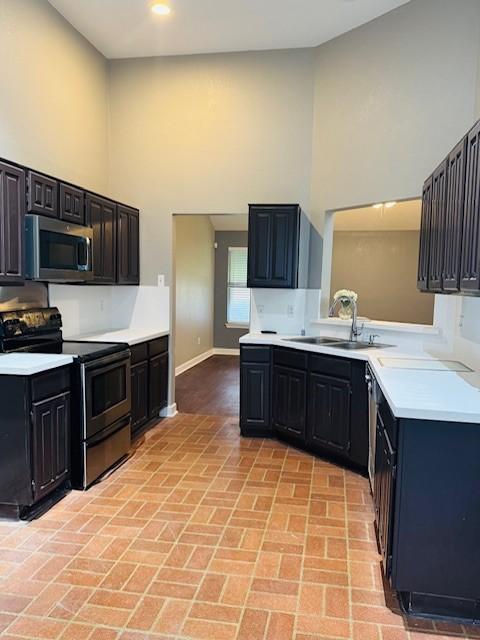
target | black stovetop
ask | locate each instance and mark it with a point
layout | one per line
(81, 351)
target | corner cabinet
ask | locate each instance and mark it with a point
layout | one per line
(315, 402)
(12, 220)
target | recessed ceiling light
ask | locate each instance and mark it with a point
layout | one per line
(160, 9)
(389, 205)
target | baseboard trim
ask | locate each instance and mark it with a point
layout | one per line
(193, 362)
(216, 351)
(170, 411)
(226, 352)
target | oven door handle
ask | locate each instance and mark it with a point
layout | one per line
(98, 438)
(112, 359)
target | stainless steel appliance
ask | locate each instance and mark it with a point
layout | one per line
(374, 396)
(101, 402)
(57, 251)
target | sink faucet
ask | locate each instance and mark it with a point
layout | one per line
(354, 331)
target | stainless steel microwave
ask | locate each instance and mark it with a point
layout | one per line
(57, 251)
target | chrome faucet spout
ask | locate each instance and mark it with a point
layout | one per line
(354, 331)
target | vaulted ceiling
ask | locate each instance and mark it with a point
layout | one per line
(127, 28)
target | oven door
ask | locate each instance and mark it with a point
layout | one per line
(107, 392)
(58, 251)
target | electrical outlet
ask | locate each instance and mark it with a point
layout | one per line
(199, 340)
(260, 309)
(102, 304)
(290, 310)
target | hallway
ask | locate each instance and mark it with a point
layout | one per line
(211, 388)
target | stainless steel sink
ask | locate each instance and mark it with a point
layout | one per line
(315, 340)
(339, 343)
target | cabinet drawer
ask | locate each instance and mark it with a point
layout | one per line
(337, 367)
(155, 347)
(139, 352)
(250, 353)
(290, 358)
(51, 383)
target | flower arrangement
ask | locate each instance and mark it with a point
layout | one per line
(346, 298)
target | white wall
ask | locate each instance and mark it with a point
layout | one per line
(208, 134)
(53, 95)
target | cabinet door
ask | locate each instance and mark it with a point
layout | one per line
(254, 397)
(158, 384)
(329, 413)
(437, 238)
(259, 248)
(425, 233)
(139, 377)
(290, 401)
(273, 238)
(42, 195)
(470, 261)
(51, 444)
(101, 214)
(72, 204)
(384, 486)
(12, 220)
(454, 216)
(128, 239)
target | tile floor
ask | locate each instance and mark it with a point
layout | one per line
(207, 536)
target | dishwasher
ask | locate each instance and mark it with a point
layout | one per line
(374, 397)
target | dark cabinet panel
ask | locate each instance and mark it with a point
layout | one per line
(139, 380)
(454, 217)
(42, 195)
(72, 204)
(470, 261)
(329, 413)
(128, 238)
(273, 245)
(425, 235)
(437, 234)
(12, 216)
(51, 445)
(158, 384)
(254, 398)
(102, 214)
(289, 401)
(383, 495)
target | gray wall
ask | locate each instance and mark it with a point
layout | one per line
(381, 266)
(225, 338)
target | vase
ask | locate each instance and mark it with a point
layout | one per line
(345, 311)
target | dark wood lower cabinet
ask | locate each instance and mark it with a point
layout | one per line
(329, 413)
(149, 380)
(289, 401)
(51, 443)
(316, 402)
(35, 437)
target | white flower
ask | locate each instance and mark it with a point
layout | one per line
(345, 293)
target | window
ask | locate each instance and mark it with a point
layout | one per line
(238, 295)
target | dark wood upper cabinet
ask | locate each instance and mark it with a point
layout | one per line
(470, 260)
(438, 228)
(102, 215)
(42, 195)
(454, 216)
(273, 246)
(425, 231)
(72, 204)
(128, 242)
(12, 215)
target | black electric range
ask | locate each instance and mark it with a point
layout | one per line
(101, 397)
